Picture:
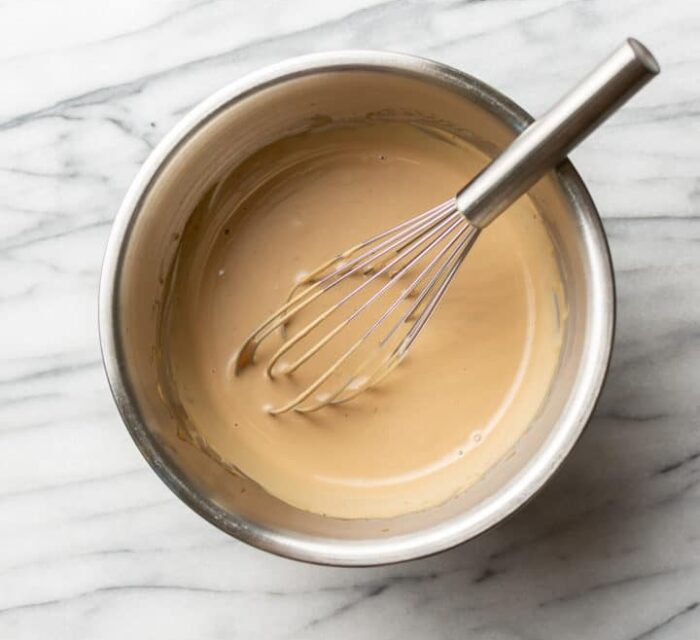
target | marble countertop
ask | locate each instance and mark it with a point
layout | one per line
(92, 545)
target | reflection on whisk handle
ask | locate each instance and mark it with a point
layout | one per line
(549, 139)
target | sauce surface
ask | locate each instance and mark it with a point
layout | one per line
(471, 384)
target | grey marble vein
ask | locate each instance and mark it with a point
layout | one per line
(92, 545)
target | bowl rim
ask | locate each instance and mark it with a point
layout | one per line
(322, 550)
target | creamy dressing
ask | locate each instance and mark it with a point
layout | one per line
(471, 384)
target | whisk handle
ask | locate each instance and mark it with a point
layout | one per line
(549, 139)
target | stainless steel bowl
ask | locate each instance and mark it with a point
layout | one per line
(215, 137)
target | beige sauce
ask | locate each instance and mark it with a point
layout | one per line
(471, 384)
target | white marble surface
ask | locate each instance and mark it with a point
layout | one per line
(92, 545)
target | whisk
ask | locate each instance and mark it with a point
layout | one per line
(396, 279)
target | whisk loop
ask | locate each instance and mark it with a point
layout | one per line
(413, 262)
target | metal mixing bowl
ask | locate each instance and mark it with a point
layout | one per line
(216, 136)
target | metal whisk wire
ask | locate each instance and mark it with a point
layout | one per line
(437, 285)
(437, 237)
(345, 267)
(428, 249)
(359, 380)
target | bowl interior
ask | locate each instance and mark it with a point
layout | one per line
(206, 146)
